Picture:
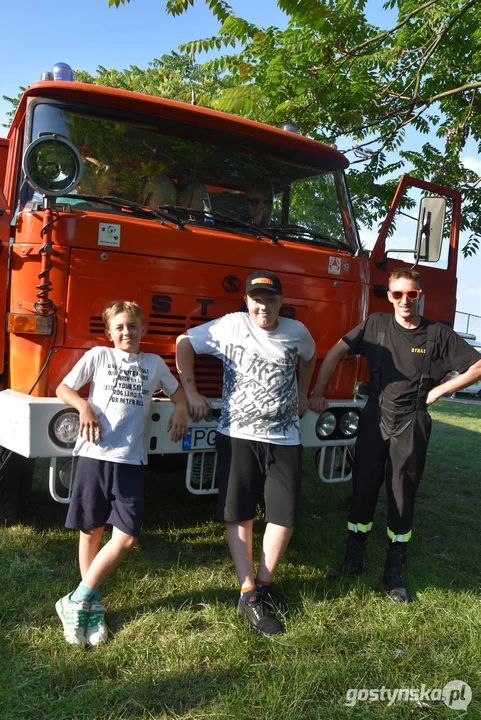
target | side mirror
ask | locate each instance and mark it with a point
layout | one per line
(429, 235)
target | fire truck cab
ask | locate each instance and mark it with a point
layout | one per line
(108, 194)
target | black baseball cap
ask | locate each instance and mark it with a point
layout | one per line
(263, 280)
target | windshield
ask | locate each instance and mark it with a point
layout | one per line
(236, 186)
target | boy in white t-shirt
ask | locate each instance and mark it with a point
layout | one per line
(257, 443)
(108, 486)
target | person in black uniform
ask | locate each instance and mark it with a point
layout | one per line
(408, 357)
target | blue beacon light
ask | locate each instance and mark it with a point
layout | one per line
(62, 71)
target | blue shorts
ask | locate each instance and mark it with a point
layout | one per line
(107, 493)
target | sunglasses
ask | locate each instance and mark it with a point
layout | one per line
(410, 294)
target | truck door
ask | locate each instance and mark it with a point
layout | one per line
(439, 284)
(5, 218)
(3, 160)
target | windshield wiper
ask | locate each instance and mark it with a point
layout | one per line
(123, 204)
(209, 215)
(303, 233)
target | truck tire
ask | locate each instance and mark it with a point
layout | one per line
(15, 486)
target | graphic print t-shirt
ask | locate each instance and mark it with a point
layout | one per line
(121, 388)
(259, 398)
(403, 354)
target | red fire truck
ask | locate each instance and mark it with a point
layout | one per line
(108, 194)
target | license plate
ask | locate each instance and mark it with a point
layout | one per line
(199, 438)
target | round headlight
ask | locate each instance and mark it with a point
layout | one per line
(52, 165)
(64, 427)
(349, 423)
(326, 424)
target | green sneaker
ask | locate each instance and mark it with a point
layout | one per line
(96, 633)
(74, 617)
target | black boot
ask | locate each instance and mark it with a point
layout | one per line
(354, 559)
(396, 558)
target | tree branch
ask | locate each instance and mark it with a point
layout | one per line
(386, 33)
(437, 42)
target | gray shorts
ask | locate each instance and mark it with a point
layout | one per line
(107, 493)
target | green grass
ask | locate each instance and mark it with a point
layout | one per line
(178, 649)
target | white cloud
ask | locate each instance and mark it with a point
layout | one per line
(368, 238)
(472, 163)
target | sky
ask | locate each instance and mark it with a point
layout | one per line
(87, 34)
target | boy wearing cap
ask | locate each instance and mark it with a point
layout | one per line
(258, 446)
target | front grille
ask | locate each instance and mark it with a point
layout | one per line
(96, 325)
(173, 324)
(208, 373)
(166, 324)
(157, 324)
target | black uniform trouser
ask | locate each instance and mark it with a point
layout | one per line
(391, 445)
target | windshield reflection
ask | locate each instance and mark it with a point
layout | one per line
(239, 188)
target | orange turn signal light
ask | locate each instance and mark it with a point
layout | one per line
(29, 324)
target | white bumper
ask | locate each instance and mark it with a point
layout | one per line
(26, 427)
(25, 423)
